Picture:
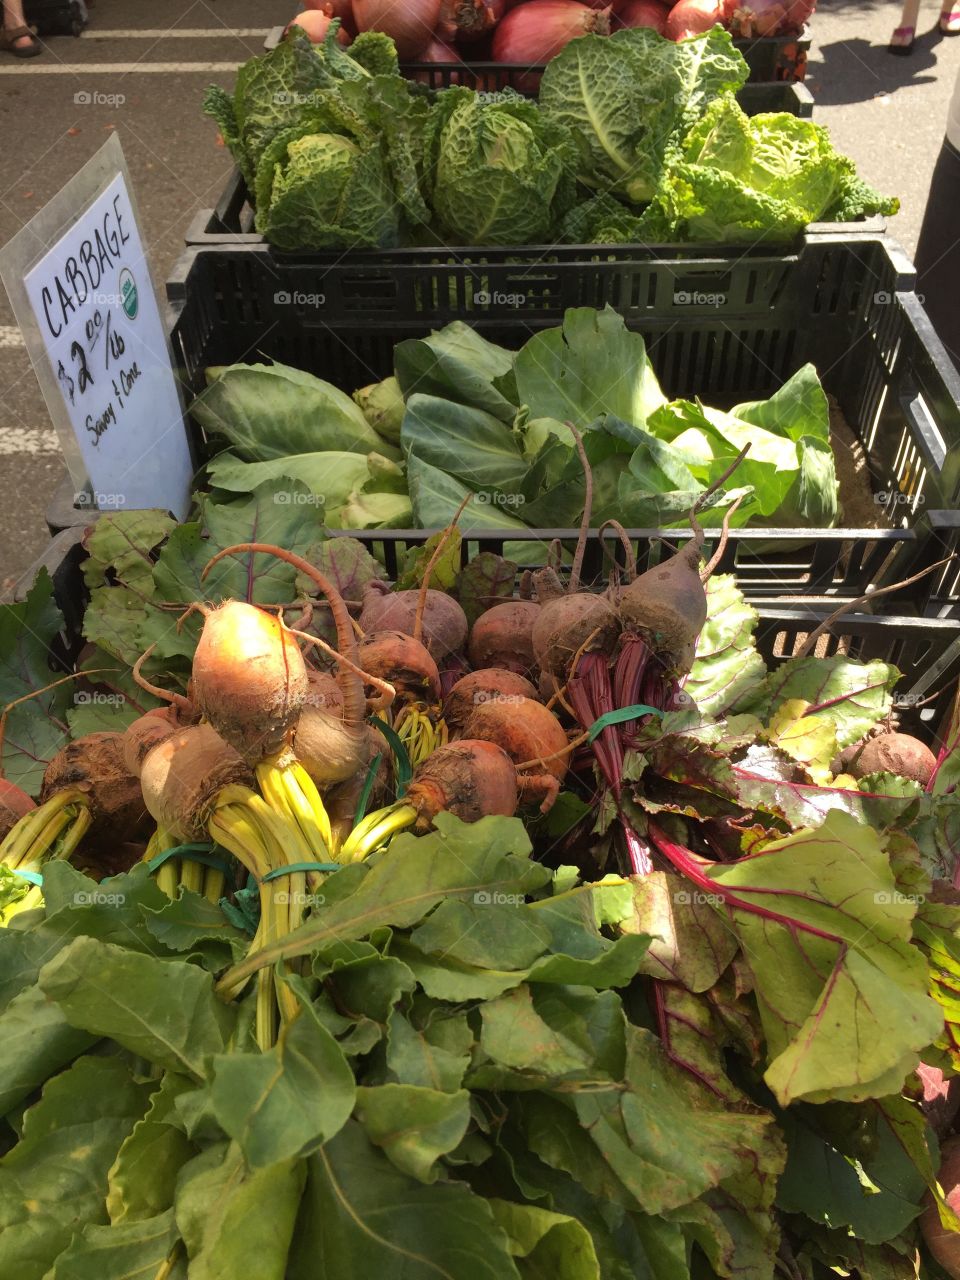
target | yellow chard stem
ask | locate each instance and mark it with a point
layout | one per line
(403, 816)
(21, 838)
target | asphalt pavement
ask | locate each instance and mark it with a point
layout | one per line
(140, 71)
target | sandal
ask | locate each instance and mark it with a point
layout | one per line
(950, 22)
(901, 42)
(9, 38)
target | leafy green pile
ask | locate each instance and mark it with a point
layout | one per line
(504, 1062)
(478, 419)
(634, 138)
(496, 1071)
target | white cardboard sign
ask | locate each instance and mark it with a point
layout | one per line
(98, 345)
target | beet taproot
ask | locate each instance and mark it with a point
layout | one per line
(503, 637)
(533, 738)
(890, 752)
(249, 678)
(94, 764)
(323, 692)
(570, 624)
(667, 606)
(471, 780)
(183, 775)
(487, 685)
(331, 750)
(406, 663)
(146, 732)
(443, 624)
(525, 729)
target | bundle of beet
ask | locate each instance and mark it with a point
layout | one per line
(482, 923)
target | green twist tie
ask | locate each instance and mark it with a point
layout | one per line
(404, 767)
(201, 853)
(620, 716)
(296, 867)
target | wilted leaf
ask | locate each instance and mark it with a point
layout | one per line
(486, 580)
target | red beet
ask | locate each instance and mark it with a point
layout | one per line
(503, 636)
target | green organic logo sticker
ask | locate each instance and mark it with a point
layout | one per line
(128, 292)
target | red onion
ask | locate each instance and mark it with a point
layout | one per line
(464, 20)
(316, 24)
(498, 8)
(537, 31)
(342, 9)
(751, 18)
(692, 17)
(642, 13)
(411, 23)
(437, 51)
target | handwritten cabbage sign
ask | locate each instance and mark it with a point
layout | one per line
(99, 347)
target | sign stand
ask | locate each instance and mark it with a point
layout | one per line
(80, 287)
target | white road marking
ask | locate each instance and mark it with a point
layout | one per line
(190, 33)
(105, 68)
(22, 440)
(10, 336)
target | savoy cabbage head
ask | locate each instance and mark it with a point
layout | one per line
(498, 171)
(762, 177)
(628, 96)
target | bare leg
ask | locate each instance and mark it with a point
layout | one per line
(902, 37)
(13, 18)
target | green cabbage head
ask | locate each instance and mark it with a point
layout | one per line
(325, 191)
(499, 172)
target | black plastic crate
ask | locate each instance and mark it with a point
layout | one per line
(925, 650)
(762, 92)
(843, 303)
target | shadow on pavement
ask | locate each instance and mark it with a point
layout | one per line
(854, 70)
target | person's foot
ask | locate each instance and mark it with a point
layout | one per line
(901, 42)
(950, 22)
(20, 41)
